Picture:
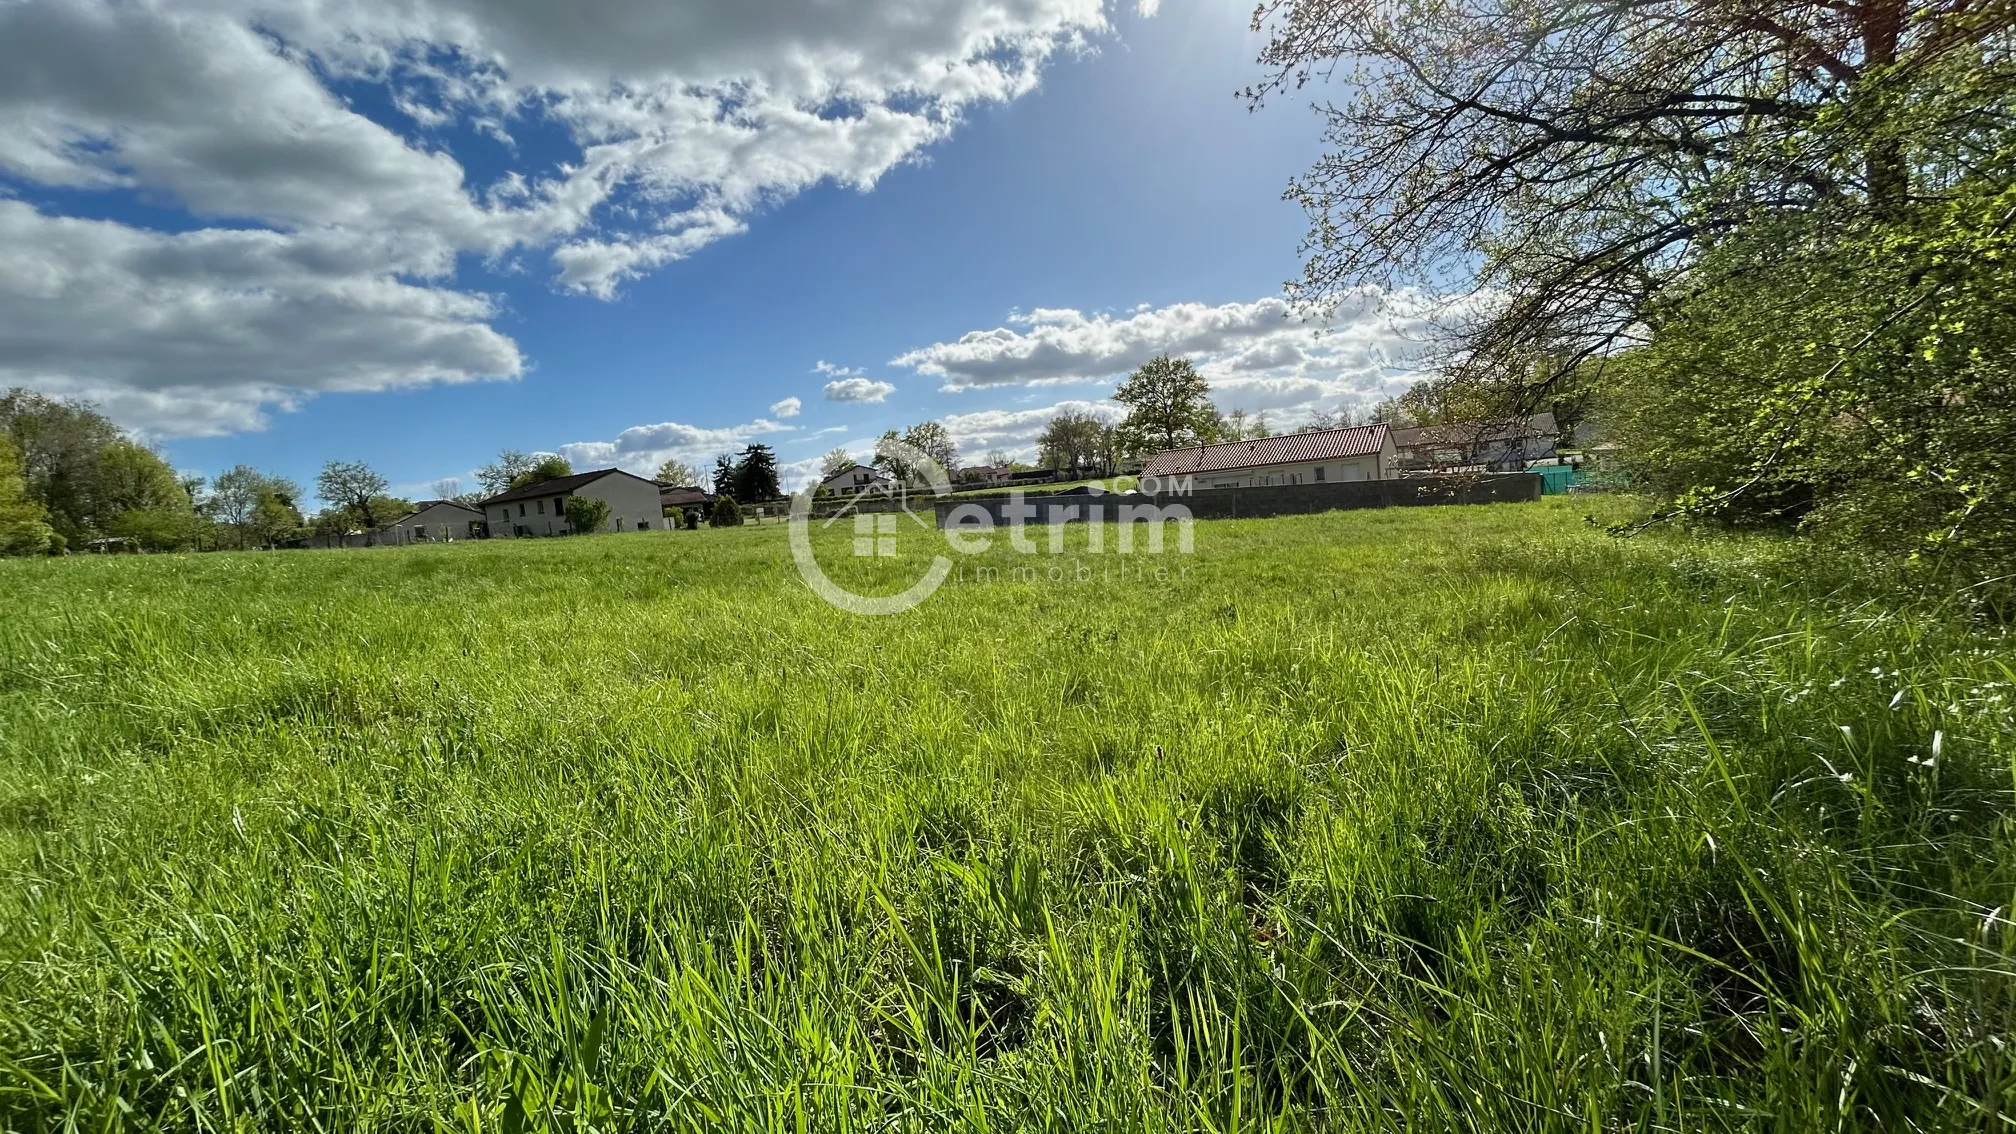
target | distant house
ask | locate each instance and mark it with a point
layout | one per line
(683, 497)
(984, 475)
(434, 520)
(854, 480)
(1358, 452)
(1499, 446)
(540, 508)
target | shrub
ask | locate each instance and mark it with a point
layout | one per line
(586, 514)
(726, 513)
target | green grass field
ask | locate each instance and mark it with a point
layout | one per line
(1403, 820)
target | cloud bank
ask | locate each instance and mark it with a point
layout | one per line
(1258, 355)
(297, 245)
(642, 448)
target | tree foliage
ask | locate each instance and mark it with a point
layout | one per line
(1583, 156)
(1168, 405)
(586, 514)
(546, 467)
(501, 474)
(237, 497)
(929, 438)
(1240, 426)
(1856, 380)
(274, 518)
(1073, 439)
(755, 475)
(86, 475)
(1794, 210)
(24, 529)
(677, 474)
(836, 461)
(725, 513)
(355, 491)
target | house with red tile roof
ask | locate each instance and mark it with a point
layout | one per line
(1320, 456)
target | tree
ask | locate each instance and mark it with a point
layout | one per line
(547, 467)
(934, 441)
(890, 457)
(1586, 157)
(835, 461)
(1167, 404)
(1852, 382)
(725, 513)
(447, 488)
(999, 459)
(501, 474)
(1237, 426)
(23, 527)
(141, 498)
(1447, 399)
(724, 475)
(755, 475)
(84, 472)
(352, 486)
(586, 514)
(238, 494)
(1115, 446)
(677, 474)
(274, 519)
(1071, 440)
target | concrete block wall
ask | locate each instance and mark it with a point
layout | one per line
(1272, 500)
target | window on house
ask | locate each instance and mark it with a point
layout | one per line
(559, 505)
(1319, 472)
(542, 507)
(521, 507)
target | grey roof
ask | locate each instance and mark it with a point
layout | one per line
(420, 506)
(558, 486)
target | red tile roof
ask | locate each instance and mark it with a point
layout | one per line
(1319, 445)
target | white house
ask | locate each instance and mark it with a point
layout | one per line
(987, 475)
(540, 508)
(434, 520)
(854, 480)
(1358, 452)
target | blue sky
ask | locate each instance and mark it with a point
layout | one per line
(352, 275)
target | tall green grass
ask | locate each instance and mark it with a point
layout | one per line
(1465, 818)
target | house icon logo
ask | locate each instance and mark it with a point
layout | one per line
(874, 534)
(878, 516)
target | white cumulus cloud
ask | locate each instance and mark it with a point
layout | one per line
(1015, 430)
(201, 332)
(858, 390)
(789, 407)
(1257, 355)
(642, 448)
(297, 220)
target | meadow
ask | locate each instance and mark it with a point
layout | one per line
(1420, 819)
